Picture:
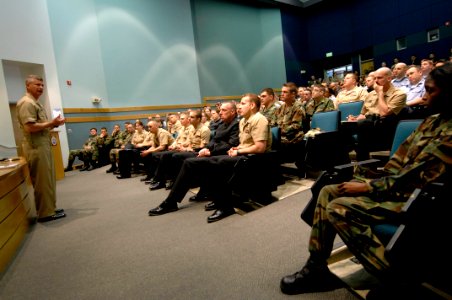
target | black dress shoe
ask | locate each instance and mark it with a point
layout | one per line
(147, 178)
(309, 280)
(157, 185)
(116, 172)
(59, 210)
(123, 176)
(198, 198)
(84, 168)
(169, 184)
(220, 214)
(210, 206)
(52, 217)
(111, 170)
(68, 169)
(162, 209)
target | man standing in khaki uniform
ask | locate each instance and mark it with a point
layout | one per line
(37, 149)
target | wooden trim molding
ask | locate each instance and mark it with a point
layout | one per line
(221, 98)
(166, 109)
(127, 109)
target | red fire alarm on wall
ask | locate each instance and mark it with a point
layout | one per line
(68, 82)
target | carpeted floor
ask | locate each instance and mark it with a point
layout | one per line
(109, 248)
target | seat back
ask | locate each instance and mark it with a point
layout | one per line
(403, 131)
(350, 108)
(326, 121)
(276, 137)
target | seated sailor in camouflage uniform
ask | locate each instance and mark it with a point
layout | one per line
(350, 208)
(117, 141)
(88, 154)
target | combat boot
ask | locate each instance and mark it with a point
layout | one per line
(69, 165)
(112, 168)
(86, 166)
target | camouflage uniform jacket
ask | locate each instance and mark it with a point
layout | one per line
(270, 113)
(323, 104)
(422, 158)
(114, 139)
(127, 138)
(91, 143)
(290, 120)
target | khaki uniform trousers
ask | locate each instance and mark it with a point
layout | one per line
(42, 173)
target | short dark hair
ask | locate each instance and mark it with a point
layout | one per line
(293, 89)
(269, 91)
(254, 98)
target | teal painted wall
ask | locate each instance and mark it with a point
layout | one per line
(129, 53)
(240, 47)
(153, 52)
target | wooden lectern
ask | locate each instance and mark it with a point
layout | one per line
(57, 156)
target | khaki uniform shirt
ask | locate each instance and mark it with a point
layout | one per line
(162, 137)
(199, 137)
(395, 99)
(355, 94)
(176, 127)
(31, 111)
(254, 129)
(139, 138)
(183, 138)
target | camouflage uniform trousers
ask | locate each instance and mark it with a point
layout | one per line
(351, 217)
(114, 155)
(84, 155)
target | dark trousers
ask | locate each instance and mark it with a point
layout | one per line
(176, 163)
(168, 163)
(194, 172)
(127, 158)
(219, 187)
(162, 161)
(374, 134)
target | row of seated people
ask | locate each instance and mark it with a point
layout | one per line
(94, 151)
(355, 208)
(376, 123)
(347, 209)
(193, 159)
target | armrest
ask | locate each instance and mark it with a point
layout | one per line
(419, 250)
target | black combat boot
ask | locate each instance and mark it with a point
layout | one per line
(85, 167)
(112, 168)
(69, 165)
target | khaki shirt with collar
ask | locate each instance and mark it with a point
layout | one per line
(162, 137)
(395, 99)
(183, 138)
(255, 128)
(29, 110)
(355, 94)
(139, 138)
(199, 137)
(176, 127)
